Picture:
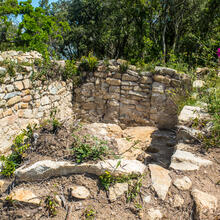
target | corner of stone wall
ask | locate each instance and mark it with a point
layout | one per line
(23, 101)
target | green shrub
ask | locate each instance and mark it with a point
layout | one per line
(89, 63)
(89, 148)
(70, 70)
(19, 148)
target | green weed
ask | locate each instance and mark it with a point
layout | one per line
(134, 189)
(51, 205)
(88, 148)
(89, 214)
(107, 179)
(55, 123)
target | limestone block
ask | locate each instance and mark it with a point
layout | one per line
(113, 82)
(13, 100)
(165, 71)
(27, 98)
(127, 77)
(158, 87)
(18, 85)
(27, 83)
(9, 88)
(162, 79)
(11, 95)
(146, 80)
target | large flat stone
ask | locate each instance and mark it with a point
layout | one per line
(160, 179)
(183, 160)
(47, 168)
(24, 195)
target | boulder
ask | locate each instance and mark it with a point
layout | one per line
(202, 71)
(165, 70)
(187, 135)
(197, 84)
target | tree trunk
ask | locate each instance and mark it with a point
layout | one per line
(164, 43)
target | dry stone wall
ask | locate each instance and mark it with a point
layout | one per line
(110, 95)
(23, 101)
(129, 98)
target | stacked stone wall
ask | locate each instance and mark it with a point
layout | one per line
(23, 101)
(127, 98)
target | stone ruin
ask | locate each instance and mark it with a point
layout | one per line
(108, 95)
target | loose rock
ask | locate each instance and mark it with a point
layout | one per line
(24, 195)
(178, 201)
(79, 192)
(205, 204)
(160, 179)
(154, 214)
(183, 160)
(183, 183)
(47, 168)
(117, 190)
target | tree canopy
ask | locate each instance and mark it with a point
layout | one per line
(136, 30)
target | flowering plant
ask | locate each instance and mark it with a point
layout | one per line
(218, 52)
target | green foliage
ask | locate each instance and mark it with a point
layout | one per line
(55, 123)
(88, 148)
(209, 94)
(107, 179)
(51, 205)
(70, 70)
(88, 63)
(134, 189)
(19, 147)
(37, 31)
(89, 214)
(47, 69)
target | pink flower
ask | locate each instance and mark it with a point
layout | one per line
(218, 52)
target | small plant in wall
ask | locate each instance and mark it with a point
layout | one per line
(123, 67)
(89, 63)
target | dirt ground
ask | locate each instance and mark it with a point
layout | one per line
(57, 146)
